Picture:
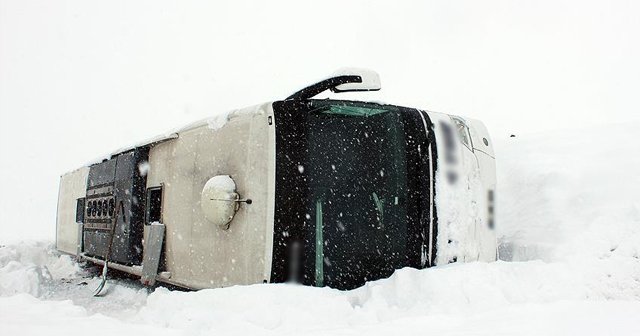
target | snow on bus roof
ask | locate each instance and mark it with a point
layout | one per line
(214, 122)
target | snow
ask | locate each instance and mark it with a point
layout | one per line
(77, 79)
(569, 228)
(56, 317)
(153, 140)
(144, 168)
(26, 267)
(587, 189)
(220, 183)
(214, 122)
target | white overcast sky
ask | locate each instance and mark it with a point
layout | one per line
(81, 78)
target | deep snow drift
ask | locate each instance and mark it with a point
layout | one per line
(569, 228)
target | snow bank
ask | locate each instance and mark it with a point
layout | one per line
(23, 315)
(450, 291)
(453, 290)
(573, 197)
(572, 194)
(24, 268)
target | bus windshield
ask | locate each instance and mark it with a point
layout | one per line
(352, 191)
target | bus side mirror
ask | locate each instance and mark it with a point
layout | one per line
(370, 80)
(343, 80)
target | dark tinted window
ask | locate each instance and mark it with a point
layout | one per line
(154, 205)
(351, 191)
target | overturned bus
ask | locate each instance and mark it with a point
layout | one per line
(322, 192)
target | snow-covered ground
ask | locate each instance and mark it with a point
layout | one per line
(569, 227)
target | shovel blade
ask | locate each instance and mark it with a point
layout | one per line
(103, 282)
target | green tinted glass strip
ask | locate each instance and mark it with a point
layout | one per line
(379, 207)
(319, 246)
(356, 111)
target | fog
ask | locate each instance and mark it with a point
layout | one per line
(81, 78)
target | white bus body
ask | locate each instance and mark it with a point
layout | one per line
(324, 192)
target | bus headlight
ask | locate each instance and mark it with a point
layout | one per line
(463, 132)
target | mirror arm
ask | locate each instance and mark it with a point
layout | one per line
(327, 84)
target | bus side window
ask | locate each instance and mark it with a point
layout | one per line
(153, 211)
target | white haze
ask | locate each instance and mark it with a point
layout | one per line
(81, 78)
